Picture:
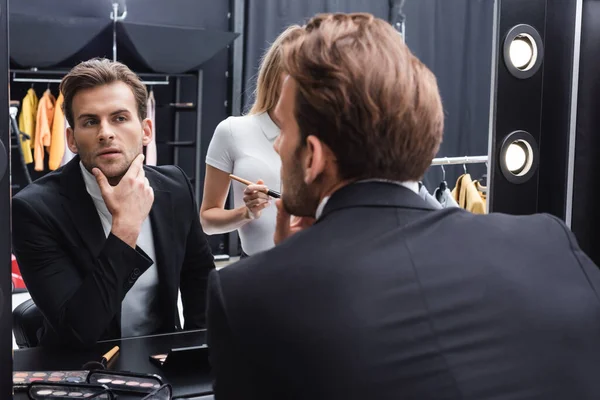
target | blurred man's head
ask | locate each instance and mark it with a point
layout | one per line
(105, 105)
(356, 104)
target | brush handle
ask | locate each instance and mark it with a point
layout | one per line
(110, 354)
(246, 182)
(274, 194)
(241, 180)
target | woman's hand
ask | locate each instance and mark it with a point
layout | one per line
(256, 199)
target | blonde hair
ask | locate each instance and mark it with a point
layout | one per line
(268, 83)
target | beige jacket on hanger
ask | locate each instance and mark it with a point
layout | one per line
(467, 196)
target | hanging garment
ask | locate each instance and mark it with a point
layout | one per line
(57, 141)
(466, 195)
(43, 128)
(68, 155)
(445, 198)
(482, 191)
(151, 148)
(27, 119)
(429, 199)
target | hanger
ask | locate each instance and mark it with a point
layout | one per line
(465, 164)
(482, 182)
(443, 185)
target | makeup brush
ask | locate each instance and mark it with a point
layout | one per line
(103, 362)
(270, 192)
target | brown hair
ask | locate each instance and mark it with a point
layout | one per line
(268, 85)
(366, 96)
(98, 72)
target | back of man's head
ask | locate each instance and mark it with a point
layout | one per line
(366, 96)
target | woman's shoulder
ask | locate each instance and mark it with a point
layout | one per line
(243, 124)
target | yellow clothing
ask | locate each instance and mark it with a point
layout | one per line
(482, 190)
(57, 143)
(27, 119)
(467, 196)
(43, 128)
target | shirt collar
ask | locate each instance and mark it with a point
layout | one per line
(270, 130)
(414, 186)
(93, 189)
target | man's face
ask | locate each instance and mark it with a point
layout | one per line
(107, 131)
(299, 198)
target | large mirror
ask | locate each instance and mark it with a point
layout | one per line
(192, 93)
(62, 278)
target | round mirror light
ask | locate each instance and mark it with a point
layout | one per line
(519, 157)
(523, 51)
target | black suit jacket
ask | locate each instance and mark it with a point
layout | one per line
(384, 298)
(78, 277)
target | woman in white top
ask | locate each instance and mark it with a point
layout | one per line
(243, 146)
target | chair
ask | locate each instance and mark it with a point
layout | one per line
(27, 320)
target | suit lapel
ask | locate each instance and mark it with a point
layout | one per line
(161, 217)
(79, 205)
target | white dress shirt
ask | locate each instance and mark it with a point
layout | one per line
(138, 309)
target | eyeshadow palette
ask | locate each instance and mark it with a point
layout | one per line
(58, 391)
(125, 381)
(21, 379)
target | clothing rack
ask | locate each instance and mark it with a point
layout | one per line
(34, 71)
(460, 160)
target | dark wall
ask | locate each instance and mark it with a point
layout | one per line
(5, 276)
(266, 19)
(454, 39)
(586, 213)
(195, 13)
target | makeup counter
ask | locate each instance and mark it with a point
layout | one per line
(189, 379)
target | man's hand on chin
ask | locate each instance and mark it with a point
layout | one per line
(287, 224)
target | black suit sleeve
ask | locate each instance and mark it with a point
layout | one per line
(233, 375)
(78, 308)
(197, 264)
(588, 267)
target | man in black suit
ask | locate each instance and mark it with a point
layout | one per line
(384, 297)
(105, 243)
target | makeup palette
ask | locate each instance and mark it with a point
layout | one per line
(128, 382)
(21, 379)
(56, 391)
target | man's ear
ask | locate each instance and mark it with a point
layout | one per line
(314, 159)
(71, 140)
(147, 131)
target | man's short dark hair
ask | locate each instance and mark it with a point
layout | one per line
(98, 72)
